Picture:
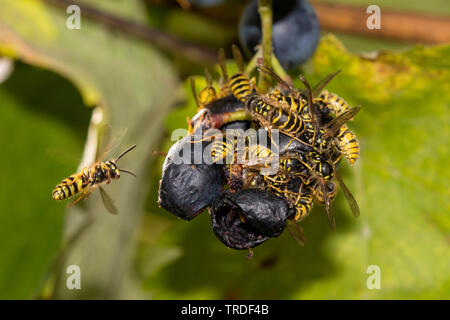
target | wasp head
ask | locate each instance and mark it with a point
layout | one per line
(113, 170)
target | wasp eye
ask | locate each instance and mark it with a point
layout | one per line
(330, 187)
(326, 169)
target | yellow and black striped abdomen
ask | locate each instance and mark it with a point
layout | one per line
(258, 153)
(287, 121)
(347, 143)
(239, 85)
(295, 105)
(221, 149)
(258, 106)
(70, 186)
(334, 102)
(303, 205)
(331, 192)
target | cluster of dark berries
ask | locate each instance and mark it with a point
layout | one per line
(254, 187)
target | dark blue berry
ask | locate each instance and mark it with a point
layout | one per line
(295, 31)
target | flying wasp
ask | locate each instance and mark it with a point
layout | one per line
(89, 179)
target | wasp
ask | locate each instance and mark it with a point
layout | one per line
(239, 85)
(323, 166)
(207, 95)
(271, 116)
(323, 170)
(345, 139)
(348, 144)
(239, 151)
(269, 112)
(91, 178)
(292, 114)
(322, 186)
(333, 102)
(299, 106)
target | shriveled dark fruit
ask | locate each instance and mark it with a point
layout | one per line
(230, 229)
(243, 125)
(295, 31)
(263, 210)
(186, 189)
(225, 104)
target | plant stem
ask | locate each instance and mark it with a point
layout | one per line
(265, 13)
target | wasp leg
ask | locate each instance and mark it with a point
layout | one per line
(90, 191)
(78, 199)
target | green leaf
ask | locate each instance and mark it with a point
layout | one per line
(400, 183)
(133, 88)
(40, 143)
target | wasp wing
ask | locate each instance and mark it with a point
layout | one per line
(328, 207)
(194, 91)
(348, 195)
(317, 89)
(286, 85)
(296, 231)
(108, 202)
(223, 63)
(335, 125)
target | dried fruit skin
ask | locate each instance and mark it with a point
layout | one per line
(187, 189)
(263, 210)
(230, 229)
(225, 104)
(248, 217)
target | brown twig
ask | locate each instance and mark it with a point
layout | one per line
(394, 25)
(150, 35)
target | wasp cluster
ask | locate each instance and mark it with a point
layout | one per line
(250, 202)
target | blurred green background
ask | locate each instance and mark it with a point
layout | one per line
(139, 93)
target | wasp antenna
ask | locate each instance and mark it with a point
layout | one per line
(208, 77)
(238, 57)
(223, 63)
(194, 91)
(322, 83)
(263, 68)
(308, 88)
(125, 152)
(312, 107)
(129, 172)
